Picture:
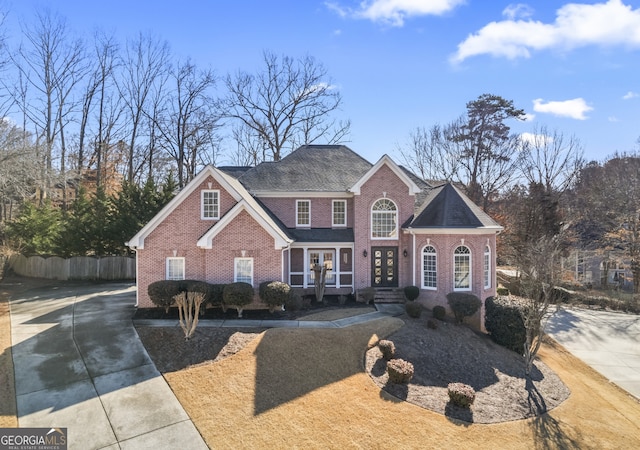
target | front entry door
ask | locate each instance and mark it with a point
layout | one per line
(384, 266)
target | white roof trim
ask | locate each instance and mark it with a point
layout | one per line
(454, 231)
(301, 194)
(137, 241)
(413, 188)
(281, 240)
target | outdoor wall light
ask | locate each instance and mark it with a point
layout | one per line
(404, 253)
(364, 253)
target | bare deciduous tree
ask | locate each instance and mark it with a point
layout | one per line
(287, 104)
(144, 65)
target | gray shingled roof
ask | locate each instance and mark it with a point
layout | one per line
(319, 168)
(446, 207)
(321, 234)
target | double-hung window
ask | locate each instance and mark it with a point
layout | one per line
(429, 268)
(210, 204)
(462, 268)
(303, 213)
(487, 267)
(175, 268)
(339, 213)
(243, 270)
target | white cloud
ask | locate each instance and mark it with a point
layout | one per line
(629, 95)
(528, 117)
(518, 11)
(613, 119)
(577, 25)
(574, 109)
(538, 140)
(394, 12)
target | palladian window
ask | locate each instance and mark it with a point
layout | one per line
(384, 220)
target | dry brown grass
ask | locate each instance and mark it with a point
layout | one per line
(307, 388)
(8, 411)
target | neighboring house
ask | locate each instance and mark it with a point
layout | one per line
(370, 224)
(596, 268)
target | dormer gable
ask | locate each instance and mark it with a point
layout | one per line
(412, 187)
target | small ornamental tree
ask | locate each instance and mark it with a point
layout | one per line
(189, 309)
(411, 292)
(463, 305)
(274, 293)
(237, 295)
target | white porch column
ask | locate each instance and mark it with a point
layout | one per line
(305, 264)
(337, 267)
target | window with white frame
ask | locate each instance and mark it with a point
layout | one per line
(210, 204)
(303, 213)
(384, 220)
(175, 268)
(429, 268)
(462, 268)
(243, 270)
(487, 267)
(325, 258)
(339, 213)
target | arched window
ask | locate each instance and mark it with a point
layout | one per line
(429, 268)
(384, 220)
(487, 267)
(462, 269)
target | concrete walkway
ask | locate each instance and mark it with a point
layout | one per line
(79, 364)
(607, 341)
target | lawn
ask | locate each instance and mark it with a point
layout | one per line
(307, 388)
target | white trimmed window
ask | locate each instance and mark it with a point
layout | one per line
(243, 270)
(325, 258)
(210, 204)
(462, 269)
(303, 213)
(175, 268)
(339, 213)
(429, 268)
(384, 220)
(487, 267)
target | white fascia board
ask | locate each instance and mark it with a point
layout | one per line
(413, 188)
(280, 239)
(453, 231)
(137, 241)
(301, 194)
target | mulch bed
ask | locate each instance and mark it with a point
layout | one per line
(455, 353)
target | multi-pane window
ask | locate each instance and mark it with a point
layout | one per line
(384, 219)
(303, 213)
(429, 268)
(325, 258)
(462, 268)
(339, 213)
(243, 270)
(487, 267)
(175, 268)
(210, 204)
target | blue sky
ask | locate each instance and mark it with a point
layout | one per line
(399, 64)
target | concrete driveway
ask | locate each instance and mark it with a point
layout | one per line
(607, 341)
(79, 364)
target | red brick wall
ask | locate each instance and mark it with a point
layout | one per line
(384, 181)
(181, 230)
(321, 210)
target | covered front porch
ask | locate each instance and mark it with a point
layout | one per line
(336, 257)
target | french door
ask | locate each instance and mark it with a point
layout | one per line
(384, 266)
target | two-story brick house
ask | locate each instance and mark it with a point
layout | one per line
(370, 224)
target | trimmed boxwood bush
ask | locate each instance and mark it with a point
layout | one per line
(400, 371)
(439, 312)
(414, 309)
(463, 304)
(237, 295)
(162, 292)
(387, 348)
(504, 323)
(274, 293)
(461, 394)
(411, 292)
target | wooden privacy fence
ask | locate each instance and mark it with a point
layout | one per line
(74, 268)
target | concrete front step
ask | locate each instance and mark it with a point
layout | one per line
(389, 296)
